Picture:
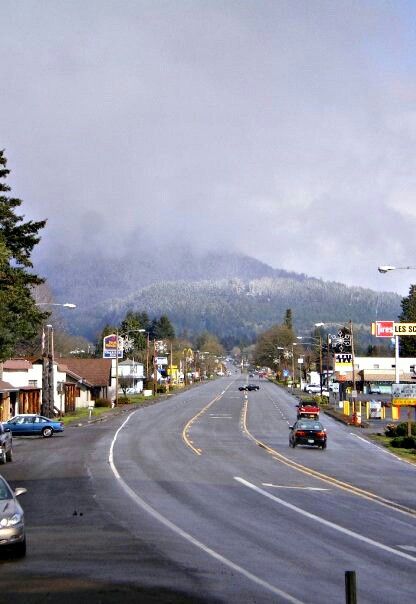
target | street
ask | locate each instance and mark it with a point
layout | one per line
(198, 498)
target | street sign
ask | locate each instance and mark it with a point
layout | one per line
(382, 329)
(403, 395)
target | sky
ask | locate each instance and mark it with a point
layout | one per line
(285, 130)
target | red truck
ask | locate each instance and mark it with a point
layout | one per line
(308, 410)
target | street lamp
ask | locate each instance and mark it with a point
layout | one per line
(317, 339)
(340, 340)
(386, 268)
(48, 394)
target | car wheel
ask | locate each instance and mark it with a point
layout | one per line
(19, 549)
(9, 455)
(47, 432)
(323, 446)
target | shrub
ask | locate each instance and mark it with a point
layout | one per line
(102, 402)
(390, 430)
(401, 429)
(123, 400)
(404, 442)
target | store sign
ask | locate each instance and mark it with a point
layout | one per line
(110, 348)
(382, 329)
(161, 361)
(390, 329)
(403, 395)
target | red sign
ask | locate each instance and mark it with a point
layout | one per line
(383, 329)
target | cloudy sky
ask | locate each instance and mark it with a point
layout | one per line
(282, 129)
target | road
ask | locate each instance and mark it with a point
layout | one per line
(198, 498)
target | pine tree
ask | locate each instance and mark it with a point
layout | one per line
(20, 318)
(407, 344)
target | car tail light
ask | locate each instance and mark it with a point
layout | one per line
(300, 433)
(320, 434)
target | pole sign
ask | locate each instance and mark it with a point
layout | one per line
(390, 329)
(403, 395)
(110, 348)
(383, 329)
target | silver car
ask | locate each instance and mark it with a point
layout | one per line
(12, 524)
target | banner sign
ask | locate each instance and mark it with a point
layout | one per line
(403, 395)
(110, 348)
(389, 329)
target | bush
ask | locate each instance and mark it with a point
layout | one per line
(123, 400)
(102, 402)
(404, 442)
(401, 429)
(390, 430)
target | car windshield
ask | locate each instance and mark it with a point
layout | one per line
(310, 426)
(4, 491)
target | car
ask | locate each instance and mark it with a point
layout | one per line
(307, 432)
(12, 520)
(6, 444)
(32, 424)
(249, 387)
(312, 388)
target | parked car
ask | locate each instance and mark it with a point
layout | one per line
(12, 524)
(32, 424)
(6, 444)
(307, 432)
(312, 388)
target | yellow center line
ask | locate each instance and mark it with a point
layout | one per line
(324, 477)
(185, 431)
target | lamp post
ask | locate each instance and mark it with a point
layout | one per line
(386, 268)
(340, 339)
(125, 341)
(317, 339)
(48, 392)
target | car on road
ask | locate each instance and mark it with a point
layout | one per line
(249, 387)
(6, 444)
(12, 523)
(307, 432)
(32, 424)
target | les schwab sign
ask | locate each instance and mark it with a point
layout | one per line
(390, 329)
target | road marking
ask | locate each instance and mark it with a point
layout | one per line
(324, 477)
(327, 523)
(187, 536)
(283, 486)
(185, 431)
(397, 457)
(408, 548)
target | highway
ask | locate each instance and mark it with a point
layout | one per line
(198, 498)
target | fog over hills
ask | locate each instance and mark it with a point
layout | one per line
(229, 294)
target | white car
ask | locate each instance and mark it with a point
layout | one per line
(312, 388)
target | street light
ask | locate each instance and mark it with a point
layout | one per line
(316, 339)
(48, 394)
(386, 268)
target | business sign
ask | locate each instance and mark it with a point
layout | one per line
(343, 361)
(382, 329)
(390, 329)
(403, 395)
(110, 348)
(405, 329)
(161, 360)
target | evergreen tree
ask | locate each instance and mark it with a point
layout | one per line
(288, 320)
(20, 318)
(408, 315)
(162, 329)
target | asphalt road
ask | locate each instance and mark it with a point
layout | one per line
(198, 498)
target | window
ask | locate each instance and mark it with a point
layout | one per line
(33, 383)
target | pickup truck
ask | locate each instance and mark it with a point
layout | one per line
(6, 444)
(308, 410)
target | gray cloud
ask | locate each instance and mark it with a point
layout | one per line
(282, 129)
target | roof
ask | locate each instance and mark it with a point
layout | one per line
(17, 365)
(96, 372)
(6, 387)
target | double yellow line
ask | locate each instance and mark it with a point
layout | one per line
(327, 479)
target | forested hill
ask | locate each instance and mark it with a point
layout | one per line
(238, 309)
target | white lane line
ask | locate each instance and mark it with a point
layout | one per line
(320, 520)
(408, 548)
(382, 450)
(283, 486)
(188, 537)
